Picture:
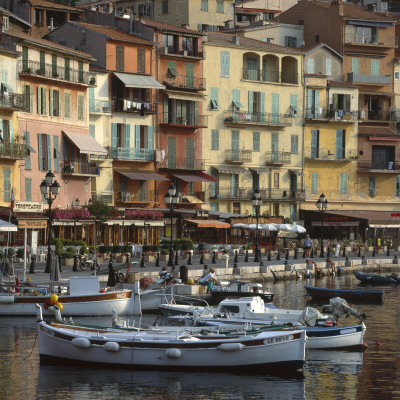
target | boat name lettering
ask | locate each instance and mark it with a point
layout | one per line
(278, 339)
(122, 295)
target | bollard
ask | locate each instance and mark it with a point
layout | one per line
(183, 273)
(75, 267)
(269, 256)
(141, 261)
(328, 252)
(190, 259)
(364, 261)
(287, 255)
(158, 259)
(213, 258)
(33, 264)
(312, 253)
(60, 263)
(373, 252)
(344, 251)
(295, 253)
(202, 258)
(278, 255)
(347, 263)
(246, 257)
(177, 258)
(395, 260)
(235, 260)
(388, 252)
(359, 252)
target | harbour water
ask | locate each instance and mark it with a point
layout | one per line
(373, 374)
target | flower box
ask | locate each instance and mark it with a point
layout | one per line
(121, 258)
(149, 258)
(164, 257)
(68, 262)
(206, 256)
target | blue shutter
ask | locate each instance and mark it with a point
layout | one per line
(262, 106)
(7, 184)
(92, 130)
(27, 140)
(91, 100)
(137, 136)
(150, 137)
(256, 141)
(328, 66)
(49, 152)
(375, 67)
(340, 143)
(343, 183)
(354, 66)
(310, 65)
(316, 103)
(275, 107)
(28, 189)
(40, 148)
(252, 68)
(113, 135)
(314, 144)
(314, 183)
(310, 103)
(235, 140)
(225, 61)
(251, 102)
(127, 140)
(274, 142)
(214, 139)
(56, 154)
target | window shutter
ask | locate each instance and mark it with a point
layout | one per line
(91, 100)
(397, 185)
(150, 141)
(80, 107)
(214, 98)
(190, 153)
(310, 104)
(293, 101)
(30, 98)
(39, 99)
(314, 144)
(44, 101)
(25, 61)
(214, 185)
(347, 102)
(119, 58)
(141, 55)
(190, 75)
(275, 107)
(92, 130)
(166, 118)
(343, 183)
(51, 102)
(251, 96)
(274, 142)
(171, 152)
(372, 186)
(28, 189)
(316, 103)
(310, 65)
(294, 144)
(354, 66)
(172, 69)
(340, 143)
(40, 148)
(137, 136)
(10, 131)
(225, 61)
(113, 135)
(262, 105)
(67, 69)
(54, 65)
(235, 140)
(215, 139)
(56, 153)
(67, 104)
(48, 152)
(42, 60)
(328, 66)
(256, 141)
(375, 67)
(7, 184)
(314, 183)
(27, 140)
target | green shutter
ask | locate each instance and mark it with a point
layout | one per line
(67, 104)
(214, 98)
(113, 135)
(171, 152)
(92, 130)
(314, 183)
(375, 67)
(236, 98)
(343, 183)
(190, 153)
(30, 98)
(252, 68)
(42, 61)
(25, 62)
(137, 136)
(67, 69)
(235, 140)
(39, 99)
(215, 139)
(80, 107)
(44, 101)
(172, 72)
(48, 152)
(225, 64)
(190, 75)
(150, 140)
(314, 144)
(27, 140)
(340, 143)
(165, 110)
(275, 107)
(56, 153)
(40, 149)
(10, 130)
(293, 102)
(354, 66)
(91, 100)
(251, 96)
(28, 189)
(256, 141)
(262, 106)
(372, 186)
(7, 184)
(51, 102)
(328, 66)
(54, 65)
(294, 144)
(310, 103)
(274, 142)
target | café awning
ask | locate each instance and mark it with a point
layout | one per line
(143, 176)
(7, 226)
(174, 94)
(208, 223)
(86, 143)
(138, 81)
(195, 178)
(231, 170)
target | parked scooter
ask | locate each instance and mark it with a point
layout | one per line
(89, 261)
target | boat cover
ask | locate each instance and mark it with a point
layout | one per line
(310, 316)
(340, 307)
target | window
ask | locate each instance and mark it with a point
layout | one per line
(371, 186)
(170, 42)
(7, 184)
(172, 72)
(375, 67)
(314, 183)
(310, 66)
(165, 6)
(119, 58)
(294, 144)
(67, 104)
(225, 64)
(328, 66)
(214, 206)
(5, 23)
(313, 103)
(397, 185)
(28, 189)
(294, 110)
(204, 5)
(81, 107)
(37, 17)
(27, 141)
(56, 153)
(317, 38)
(220, 6)
(6, 128)
(256, 141)
(44, 156)
(188, 45)
(365, 34)
(92, 130)
(341, 102)
(143, 136)
(291, 41)
(215, 139)
(144, 10)
(340, 143)
(28, 94)
(55, 103)
(41, 100)
(67, 69)
(397, 76)
(54, 72)
(343, 183)
(275, 209)
(141, 61)
(215, 105)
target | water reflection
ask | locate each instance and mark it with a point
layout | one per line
(74, 383)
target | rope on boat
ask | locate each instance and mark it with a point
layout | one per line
(34, 343)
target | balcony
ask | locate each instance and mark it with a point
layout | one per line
(49, 71)
(166, 50)
(100, 107)
(142, 107)
(277, 157)
(277, 121)
(371, 40)
(194, 164)
(13, 101)
(379, 80)
(190, 121)
(345, 116)
(13, 151)
(103, 197)
(378, 166)
(333, 154)
(282, 194)
(238, 156)
(184, 82)
(135, 196)
(270, 76)
(128, 154)
(74, 168)
(228, 192)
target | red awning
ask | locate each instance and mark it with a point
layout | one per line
(384, 139)
(143, 176)
(208, 223)
(195, 178)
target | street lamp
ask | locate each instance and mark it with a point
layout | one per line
(322, 205)
(256, 201)
(171, 198)
(49, 189)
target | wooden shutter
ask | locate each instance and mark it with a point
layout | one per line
(256, 141)
(340, 143)
(91, 100)
(67, 104)
(251, 97)
(127, 138)
(141, 61)
(51, 111)
(80, 71)
(10, 131)
(310, 102)
(42, 61)
(276, 180)
(294, 144)
(343, 183)
(214, 185)
(119, 58)
(28, 189)
(80, 107)
(113, 135)
(314, 144)
(293, 101)
(328, 66)
(7, 184)
(374, 67)
(54, 65)
(39, 99)
(165, 110)
(137, 136)
(225, 61)
(92, 130)
(150, 140)
(274, 142)
(252, 68)
(27, 140)
(67, 69)
(314, 183)
(25, 62)
(48, 139)
(40, 150)
(235, 140)
(171, 152)
(190, 153)
(56, 153)
(215, 139)
(354, 66)
(190, 75)
(275, 107)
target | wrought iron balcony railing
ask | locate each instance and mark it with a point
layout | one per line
(331, 154)
(143, 107)
(123, 153)
(188, 120)
(230, 192)
(369, 79)
(13, 101)
(379, 165)
(185, 82)
(72, 167)
(278, 157)
(16, 151)
(183, 163)
(51, 71)
(238, 156)
(256, 118)
(100, 106)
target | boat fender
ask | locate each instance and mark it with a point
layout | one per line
(111, 347)
(173, 353)
(7, 299)
(81, 343)
(230, 346)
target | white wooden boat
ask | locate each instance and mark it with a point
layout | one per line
(84, 299)
(270, 350)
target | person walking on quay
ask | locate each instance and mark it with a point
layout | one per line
(209, 280)
(307, 246)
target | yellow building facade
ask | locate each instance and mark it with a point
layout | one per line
(254, 135)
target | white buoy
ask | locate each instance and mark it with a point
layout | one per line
(230, 346)
(173, 353)
(111, 347)
(81, 343)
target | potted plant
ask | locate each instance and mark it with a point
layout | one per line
(68, 257)
(164, 254)
(206, 254)
(20, 255)
(150, 256)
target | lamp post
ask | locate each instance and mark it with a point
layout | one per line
(256, 201)
(171, 198)
(322, 205)
(49, 188)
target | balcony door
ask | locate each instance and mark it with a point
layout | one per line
(382, 156)
(252, 67)
(234, 185)
(235, 146)
(373, 108)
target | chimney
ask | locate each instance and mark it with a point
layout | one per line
(235, 39)
(51, 24)
(374, 8)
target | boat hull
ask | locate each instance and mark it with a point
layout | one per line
(277, 350)
(374, 279)
(347, 294)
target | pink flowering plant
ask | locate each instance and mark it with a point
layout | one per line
(72, 213)
(143, 214)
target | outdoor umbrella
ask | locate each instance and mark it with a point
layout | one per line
(283, 227)
(270, 228)
(298, 229)
(238, 225)
(252, 226)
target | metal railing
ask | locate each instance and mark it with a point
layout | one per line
(379, 165)
(316, 113)
(330, 154)
(278, 157)
(187, 120)
(71, 167)
(183, 163)
(13, 150)
(270, 76)
(104, 197)
(243, 117)
(351, 37)
(135, 196)
(172, 50)
(55, 72)
(124, 105)
(13, 101)
(375, 115)
(230, 192)
(342, 115)
(238, 156)
(100, 106)
(186, 82)
(122, 153)
(370, 79)
(282, 194)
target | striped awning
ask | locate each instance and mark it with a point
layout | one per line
(86, 143)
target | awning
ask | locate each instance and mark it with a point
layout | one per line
(7, 226)
(194, 178)
(143, 176)
(384, 139)
(384, 226)
(6, 87)
(370, 23)
(174, 94)
(208, 223)
(30, 148)
(258, 170)
(138, 81)
(295, 171)
(231, 170)
(86, 143)
(193, 199)
(129, 222)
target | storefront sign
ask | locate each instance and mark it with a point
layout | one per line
(28, 206)
(32, 224)
(336, 218)
(397, 214)
(338, 223)
(202, 213)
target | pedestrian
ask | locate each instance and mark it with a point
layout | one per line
(307, 246)
(331, 265)
(209, 280)
(165, 276)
